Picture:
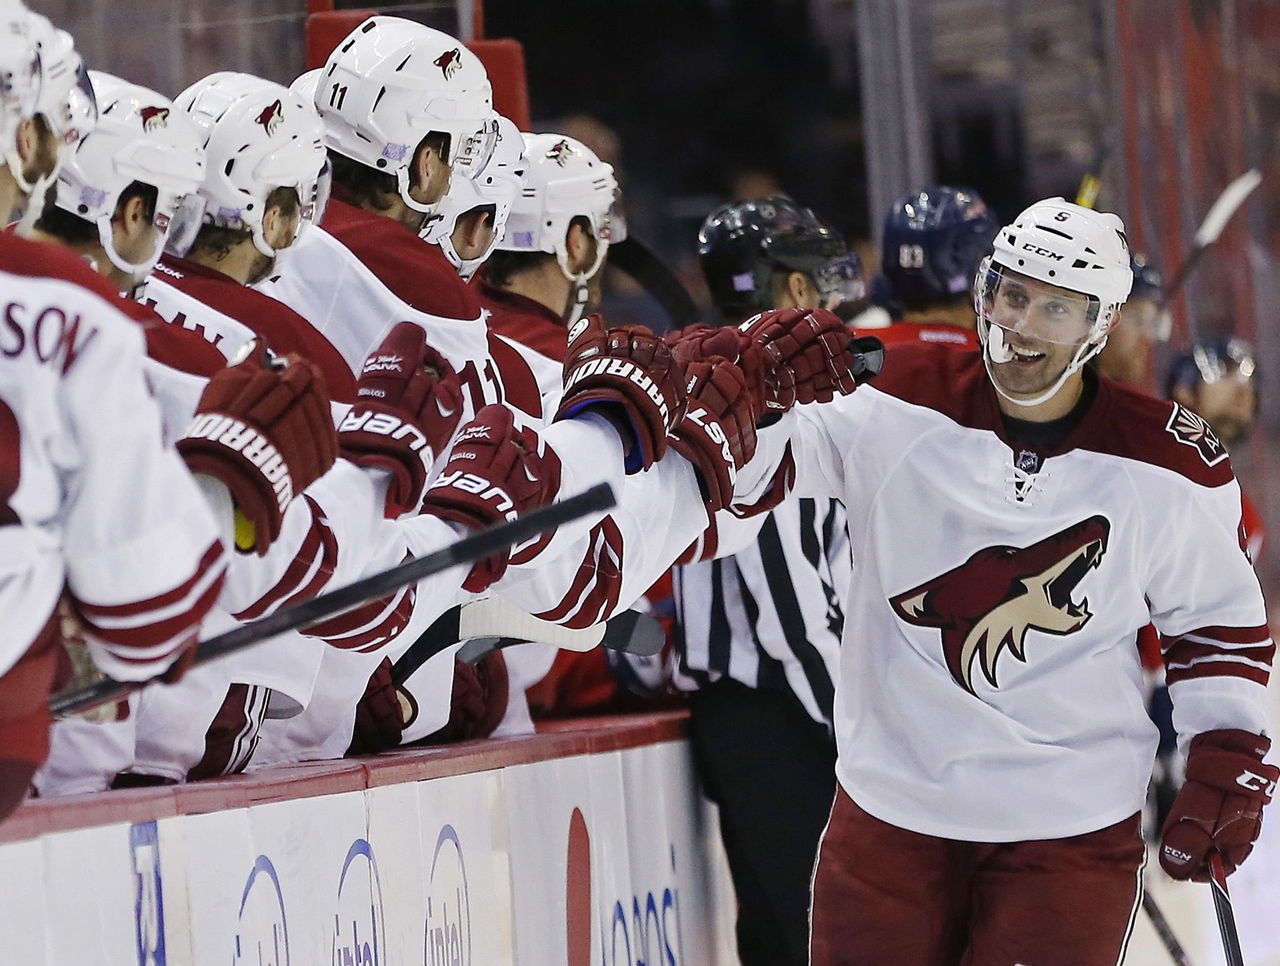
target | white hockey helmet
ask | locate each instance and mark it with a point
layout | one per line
(19, 80)
(140, 136)
(392, 82)
(257, 136)
(566, 180)
(305, 84)
(67, 99)
(1065, 246)
(498, 181)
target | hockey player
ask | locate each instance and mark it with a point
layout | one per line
(547, 266)
(994, 751)
(115, 201)
(759, 631)
(266, 182)
(1143, 323)
(933, 240)
(138, 553)
(403, 106)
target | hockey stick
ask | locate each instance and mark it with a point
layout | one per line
(653, 275)
(1232, 197)
(476, 547)
(630, 632)
(1164, 931)
(492, 623)
(1222, 906)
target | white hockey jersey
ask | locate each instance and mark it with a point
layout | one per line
(92, 500)
(352, 280)
(989, 686)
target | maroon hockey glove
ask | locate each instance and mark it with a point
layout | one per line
(381, 714)
(626, 372)
(823, 355)
(494, 473)
(263, 429)
(1220, 804)
(408, 404)
(772, 388)
(718, 433)
(479, 703)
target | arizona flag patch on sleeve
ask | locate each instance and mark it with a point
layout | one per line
(1193, 430)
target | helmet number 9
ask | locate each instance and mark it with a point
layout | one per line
(911, 256)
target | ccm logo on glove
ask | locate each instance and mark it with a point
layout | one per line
(1256, 783)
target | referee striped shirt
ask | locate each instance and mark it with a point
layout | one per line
(770, 616)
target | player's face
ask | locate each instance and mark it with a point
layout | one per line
(1229, 404)
(1043, 325)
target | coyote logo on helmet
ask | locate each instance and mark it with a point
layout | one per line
(559, 153)
(449, 62)
(271, 117)
(994, 598)
(154, 118)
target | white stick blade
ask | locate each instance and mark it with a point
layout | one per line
(1232, 197)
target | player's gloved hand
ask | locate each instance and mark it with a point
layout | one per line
(479, 703)
(772, 388)
(628, 374)
(381, 714)
(718, 432)
(408, 404)
(263, 429)
(1220, 804)
(823, 355)
(495, 472)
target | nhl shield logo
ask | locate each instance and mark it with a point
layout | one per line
(559, 153)
(1193, 430)
(271, 117)
(154, 118)
(449, 62)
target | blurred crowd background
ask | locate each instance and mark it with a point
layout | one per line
(847, 104)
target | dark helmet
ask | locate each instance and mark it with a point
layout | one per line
(1210, 360)
(1147, 282)
(741, 246)
(934, 239)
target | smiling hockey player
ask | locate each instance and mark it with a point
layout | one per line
(994, 752)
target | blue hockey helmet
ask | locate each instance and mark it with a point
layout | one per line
(934, 239)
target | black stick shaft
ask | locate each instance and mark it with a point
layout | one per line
(486, 543)
(1222, 906)
(1165, 931)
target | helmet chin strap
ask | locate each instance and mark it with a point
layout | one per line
(137, 271)
(576, 304)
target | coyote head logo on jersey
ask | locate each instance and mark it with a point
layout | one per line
(449, 62)
(271, 117)
(154, 118)
(990, 601)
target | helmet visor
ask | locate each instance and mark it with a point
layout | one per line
(315, 197)
(178, 220)
(839, 281)
(613, 226)
(1027, 308)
